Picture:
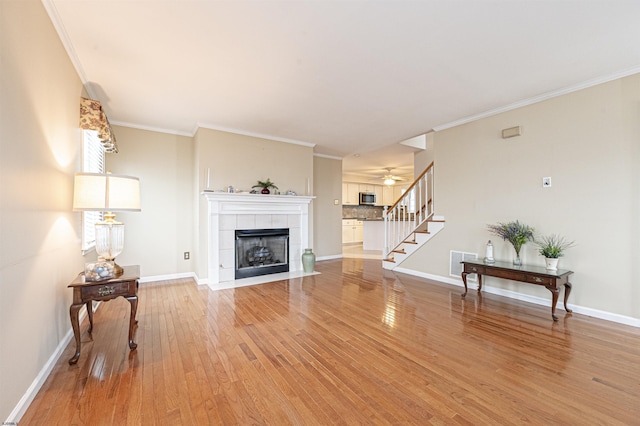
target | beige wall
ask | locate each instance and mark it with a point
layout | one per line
(327, 224)
(240, 161)
(424, 157)
(587, 142)
(39, 234)
(157, 237)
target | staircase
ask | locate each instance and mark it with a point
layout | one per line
(410, 222)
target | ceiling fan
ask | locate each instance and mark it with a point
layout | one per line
(390, 179)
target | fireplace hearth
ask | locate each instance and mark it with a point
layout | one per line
(261, 252)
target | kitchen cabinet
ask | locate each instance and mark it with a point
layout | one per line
(387, 196)
(350, 194)
(352, 231)
(379, 195)
(366, 188)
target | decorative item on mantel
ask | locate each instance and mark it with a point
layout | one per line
(308, 260)
(552, 247)
(516, 233)
(265, 185)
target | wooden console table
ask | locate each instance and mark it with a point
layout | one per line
(85, 292)
(551, 280)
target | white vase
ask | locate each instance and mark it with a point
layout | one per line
(552, 263)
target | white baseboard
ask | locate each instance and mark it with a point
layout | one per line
(334, 256)
(608, 316)
(33, 389)
(167, 277)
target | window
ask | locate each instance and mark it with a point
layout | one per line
(92, 162)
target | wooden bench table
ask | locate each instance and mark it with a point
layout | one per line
(538, 275)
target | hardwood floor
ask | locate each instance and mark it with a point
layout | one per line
(353, 345)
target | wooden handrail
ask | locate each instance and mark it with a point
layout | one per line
(413, 184)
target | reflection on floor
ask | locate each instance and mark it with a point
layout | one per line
(357, 252)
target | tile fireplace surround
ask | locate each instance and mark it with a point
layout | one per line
(228, 212)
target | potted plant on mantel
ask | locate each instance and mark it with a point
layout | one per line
(265, 186)
(516, 233)
(552, 247)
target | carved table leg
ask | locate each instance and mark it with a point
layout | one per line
(464, 280)
(567, 291)
(479, 283)
(132, 320)
(90, 315)
(73, 313)
(554, 300)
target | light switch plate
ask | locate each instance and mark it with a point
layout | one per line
(546, 182)
(336, 202)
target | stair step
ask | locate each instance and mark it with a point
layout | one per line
(389, 260)
(422, 232)
(401, 251)
(409, 242)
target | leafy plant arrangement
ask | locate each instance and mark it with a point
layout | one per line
(265, 185)
(553, 246)
(515, 232)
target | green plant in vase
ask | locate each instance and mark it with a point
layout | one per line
(265, 185)
(516, 233)
(552, 247)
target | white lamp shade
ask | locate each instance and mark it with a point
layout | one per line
(106, 192)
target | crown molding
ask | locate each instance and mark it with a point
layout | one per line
(68, 46)
(151, 128)
(331, 157)
(540, 98)
(252, 134)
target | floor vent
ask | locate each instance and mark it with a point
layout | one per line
(455, 267)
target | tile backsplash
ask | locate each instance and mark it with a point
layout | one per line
(365, 212)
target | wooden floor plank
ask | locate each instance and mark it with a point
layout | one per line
(353, 345)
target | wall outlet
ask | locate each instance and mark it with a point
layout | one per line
(546, 182)
(187, 255)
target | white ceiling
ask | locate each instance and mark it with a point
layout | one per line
(348, 76)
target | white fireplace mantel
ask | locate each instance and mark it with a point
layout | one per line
(229, 211)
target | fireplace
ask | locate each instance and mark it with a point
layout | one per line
(229, 212)
(261, 252)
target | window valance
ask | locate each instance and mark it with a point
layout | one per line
(92, 117)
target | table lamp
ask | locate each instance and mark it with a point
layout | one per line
(108, 193)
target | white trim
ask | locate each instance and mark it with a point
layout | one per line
(167, 277)
(252, 134)
(152, 128)
(543, 97)
(50, 7)
(218, 128)
(18, 411)
(608, 316)
(331, 257)
(331, 157)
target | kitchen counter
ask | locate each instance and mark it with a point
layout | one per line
(373, 234)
